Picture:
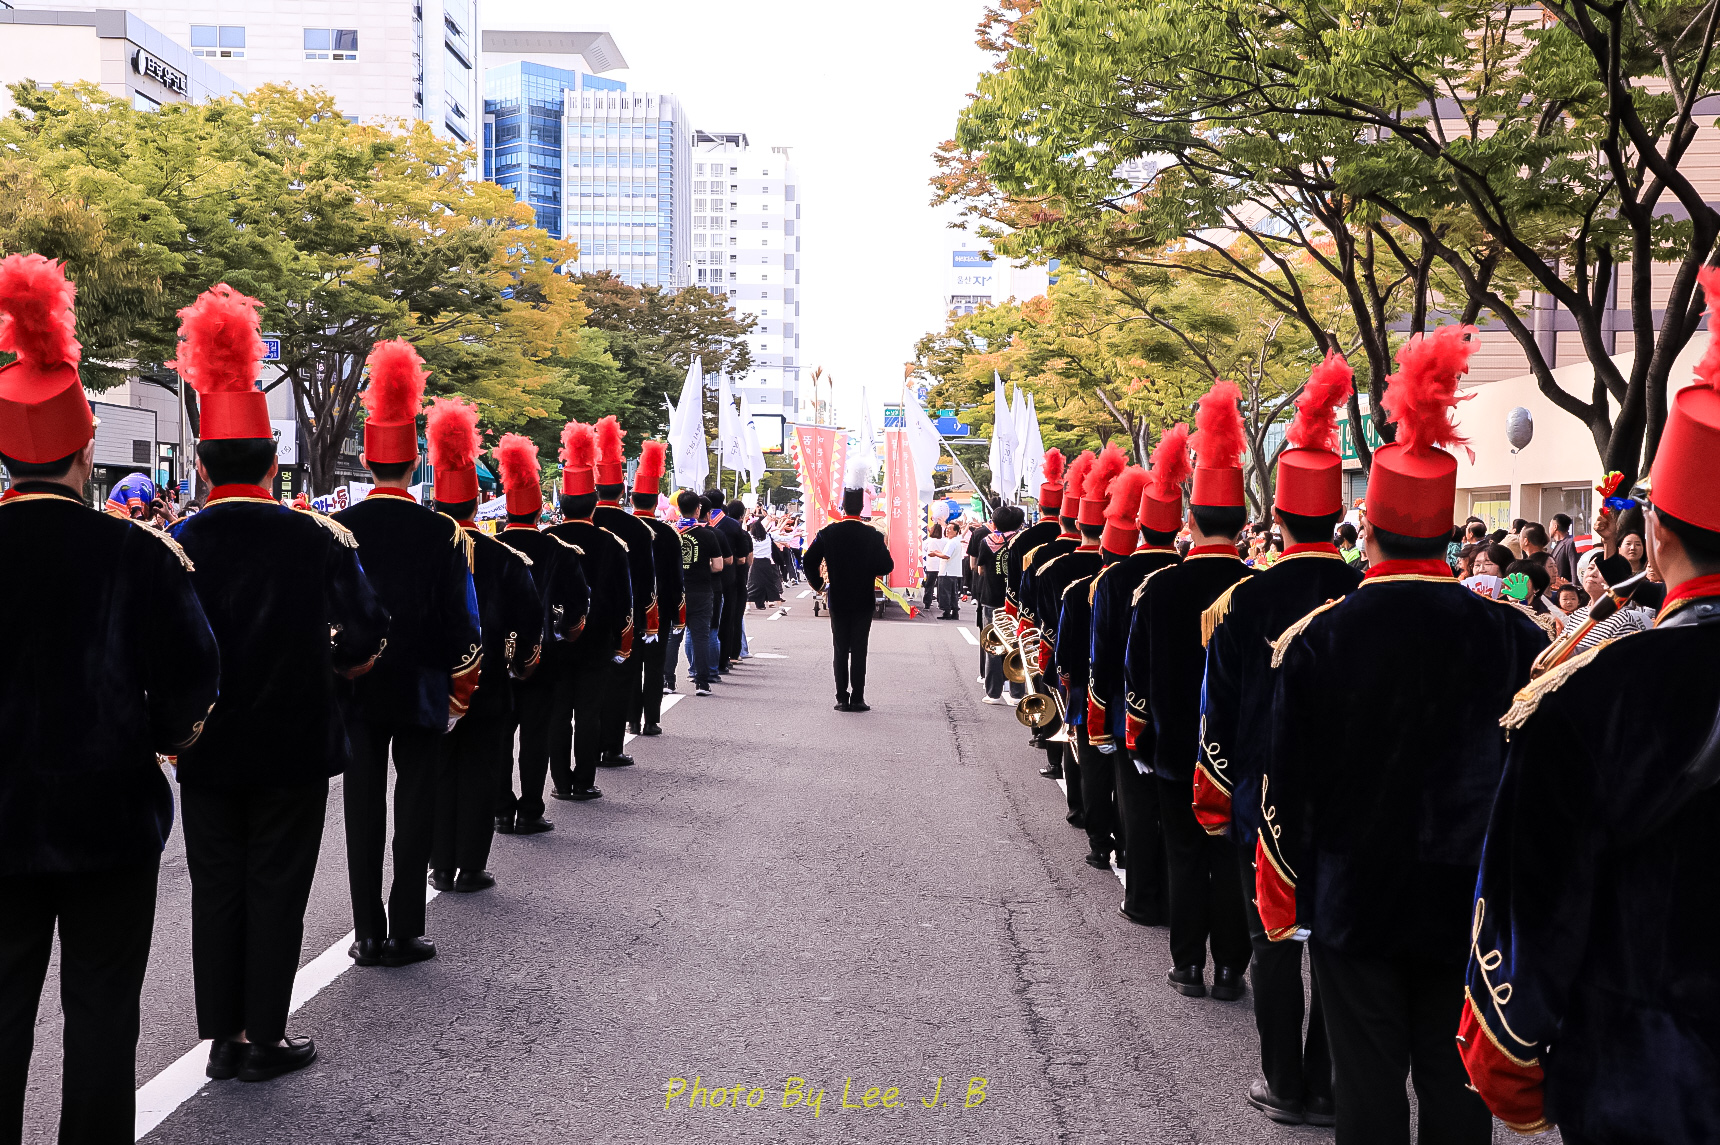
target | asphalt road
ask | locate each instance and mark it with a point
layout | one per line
(777, 891)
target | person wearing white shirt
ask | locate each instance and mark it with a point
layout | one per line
(934, 563)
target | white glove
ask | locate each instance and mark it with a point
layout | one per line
(1142, 768)
(619, 659)
(1106, 748)
(452, 720)
(649, 638)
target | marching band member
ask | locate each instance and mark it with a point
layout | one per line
(1375, 851)
(640, 539)
(1162, 667)
(647, 715)
(844, 561)
(1033, 561)
(419, 563)
(511, 617)
(1236, 716)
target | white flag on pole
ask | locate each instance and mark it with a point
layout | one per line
(1018, 417)
(924, 442)
(731, 440)
(1033, 453)
(1004, 475)
(755, 462)
(687, 431)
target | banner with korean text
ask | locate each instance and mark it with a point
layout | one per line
(902, 509)
(820, 456)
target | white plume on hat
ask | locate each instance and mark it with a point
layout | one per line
(859, 471)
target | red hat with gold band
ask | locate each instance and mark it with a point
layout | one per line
(653, 461)
(1218, 442)
(578, 459)
(221, 354)
(1162, 500)
(44, 415)
(1412, 490)
(1682, 480)
(391, 402)
(1051, 485)
(1074, 480)
(1310, 473)
(451, 428)
(522, 477)
(1096, 489)
(1123, 513)
(611, 459)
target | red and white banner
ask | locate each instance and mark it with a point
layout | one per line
(820, 457)
(902, 509)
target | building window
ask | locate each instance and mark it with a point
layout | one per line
(141, 102)
(331, 43)
(218, 40)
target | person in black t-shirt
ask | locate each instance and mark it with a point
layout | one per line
(726, 519)
(703, 559)
(991, 579)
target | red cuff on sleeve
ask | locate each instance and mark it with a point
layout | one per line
(1095, 716)
(1134, 725)
(651, 618)
(461, 686)
(1274, 894)
(626, 648)
(1211, 802)
(1511, 1087)
(1010, 609)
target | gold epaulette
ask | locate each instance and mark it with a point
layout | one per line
(1027, 559)
(178, 549)
(527, 560)
(1050, 562)
(463, 541)
(1093, 585)
(1142, 587)
(565, 544)
(618, 540)
(341, 533)
(1544, 620)
(1529, 696)
(1282, 645)
(1215, 614)
(1072, 584)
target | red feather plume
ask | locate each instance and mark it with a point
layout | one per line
(517, 457)
(1708, 369)
(1218, 439)
(653, 458)
(609, 440)
(451, 428)
(36, 318)
(1053, 468)
(1315, 425)
(396, 387)
(1111, 462)
(1124, 509)
(1076, 476)
(220, 350)
(578, 446)
(1421, 395)
(1171, 464)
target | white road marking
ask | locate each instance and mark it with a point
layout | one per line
(158, 1097)
(803, 594)
(779, 613)
(767, 656)
(967, 634)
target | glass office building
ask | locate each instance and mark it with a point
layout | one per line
(523, 108)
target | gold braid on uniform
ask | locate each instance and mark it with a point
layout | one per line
(1215, 614)
(463, 540)
(565, 544)
(1141, 588)
(341, 533)
(1281, 646)
(178, 549)
(1027, 559)
(1093, 585)
(1529, 696)
(618, 540)
(1545, 621)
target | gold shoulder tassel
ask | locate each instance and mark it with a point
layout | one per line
(1215, 614)
(1281, 645)
(1529, 696)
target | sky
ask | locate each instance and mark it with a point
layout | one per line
(863, 95)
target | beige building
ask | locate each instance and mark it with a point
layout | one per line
(106, 46)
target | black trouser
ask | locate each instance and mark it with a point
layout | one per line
(576, 724)
(534, 706)
(251, 854)
(105, 920)
(365, 793)
(701, 612)
(734, 614)
(1148, 891)
(949, 594)
(931, 589)
(1206, 890)
(1387, 1018)
(850, 630)
(621, 696)
(650, 660)
(1098, 796)
(991, 667)
(1294, 1069)
(474, 756)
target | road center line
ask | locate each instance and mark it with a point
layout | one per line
(803, 594)
(967, 634)
(779, 613)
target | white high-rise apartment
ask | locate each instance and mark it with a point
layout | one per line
(624, 197)
(746, 244)
(380, 59)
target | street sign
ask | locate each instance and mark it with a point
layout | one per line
(271, 347)
(950, 427)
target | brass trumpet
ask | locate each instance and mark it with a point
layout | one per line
(1037, 709)
(995, 638)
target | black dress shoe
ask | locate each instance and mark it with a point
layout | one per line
(616, 759)
(633, 726)
(536, 826)
(1098, 862)
(1149, 918)
(406, 951)
(1076, 819)
(560, 794)
(1051, 772)
(582, 796)
(1227, 982)
(265, 1062)
(505, 824)
(859, 706)
(1189, 981)
(442, 880)
(225, 1054)
(1261, 1097)
(366, 952)
(841, 705)
(1319, 1111)
(470, 881)
(651, 730)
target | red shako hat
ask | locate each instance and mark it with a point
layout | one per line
(1681, 480)
(611, 460)
(1075, 479)
(1123, 514)
(44, 415)
(220, 354)
(1310, 473)
(1162, 503)
(522, 477)
(1096, 490)
(578, 456)
(451, 428)
(1413, 488)
(1217, 443)
(653, 460)
(391, 402)
(1051, 490)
